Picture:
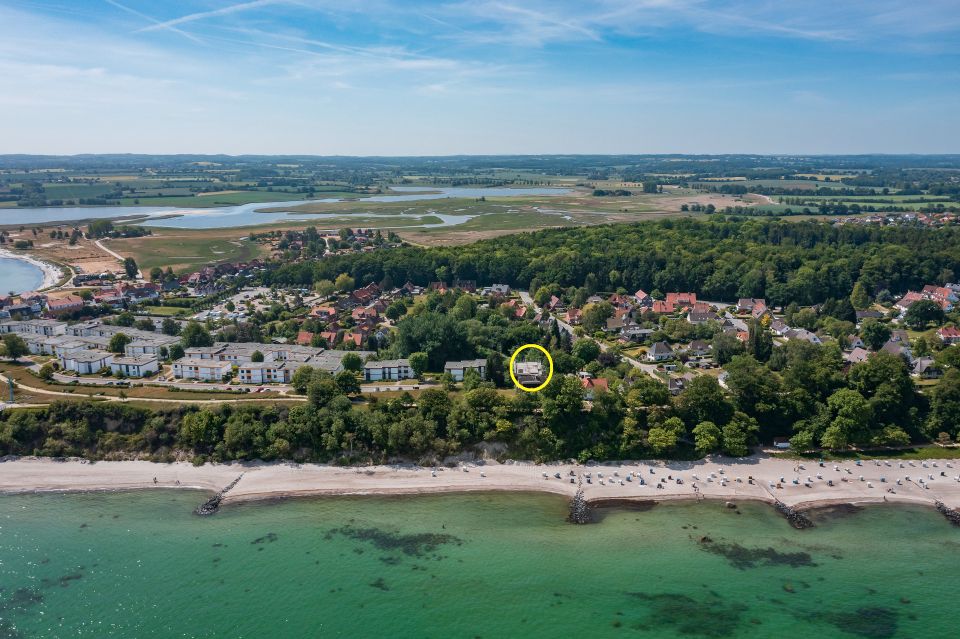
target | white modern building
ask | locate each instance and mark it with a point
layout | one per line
(391, 369)
(136, 366)
(202, 369)
(85, 361)
(457, 369)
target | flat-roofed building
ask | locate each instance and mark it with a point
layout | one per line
(458, 369)
(202, 369)
(85, 361)
(390, 369)
(135, 366)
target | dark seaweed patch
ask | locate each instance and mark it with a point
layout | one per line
(710, 617)
(836, 511)
(21, 599)
(66, 579)
(414, 545)
(742, 557)
(873, 622)
(381, 584)
(269, 537)
(8, 631)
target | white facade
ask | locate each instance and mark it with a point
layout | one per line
(85, 361)
(393, 369)
(34, 327)
(140, 366)
(260, 372)
(203, 369)
(457, 369)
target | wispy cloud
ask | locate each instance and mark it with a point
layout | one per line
(215, 13)
(153, 20)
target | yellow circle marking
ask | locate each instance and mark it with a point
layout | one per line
(513, 358)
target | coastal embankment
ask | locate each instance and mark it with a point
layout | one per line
(799, 485)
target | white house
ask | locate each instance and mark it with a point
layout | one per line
(85, 361)
(804, 334)
(660, 352)
(392, 369)
(260, 372)
(529, 373)
(136, 366)
(149, 345)
(206, 370)
(34, 327)
(457, 369)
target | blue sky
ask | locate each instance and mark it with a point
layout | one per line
(411, 77)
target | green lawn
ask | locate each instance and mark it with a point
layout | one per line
(166, 311)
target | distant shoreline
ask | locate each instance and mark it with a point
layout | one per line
(52, 273)
(268, 481)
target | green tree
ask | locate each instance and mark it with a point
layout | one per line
(661, 439)
(344, 282)
(156, 274)
(586, 350)
(418, 363)
(595, 316)
(14, 346)
(301, 379)
(352, 362)
(46, 372)
(874, 334)
(130, 267)
(851, 415)
(347, 382)
(170, 326)
(921, 313)
(703, 400)
(859, 297)
(194, 335)
(256, 356)
(945, 405)
(706, 437)
(201, 430)
(438, 335)
(325, 288)
(759, 341)
(738, 434)
(119, 342)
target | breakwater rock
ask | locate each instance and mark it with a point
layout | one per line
(952, 516)
(580, 511)
(796, 518)
(212, 505)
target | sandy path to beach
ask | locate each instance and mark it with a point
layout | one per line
(264, 481)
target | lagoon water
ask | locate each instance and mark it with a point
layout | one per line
(478, 565)
(249, 215)
(18, 276)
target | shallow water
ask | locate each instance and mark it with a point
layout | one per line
(18, 276)
(248, 215)
(476, 565)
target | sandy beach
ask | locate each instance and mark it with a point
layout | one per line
(805, 485)
(51, 273)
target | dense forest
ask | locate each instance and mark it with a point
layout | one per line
(720, 260)
(801, 391)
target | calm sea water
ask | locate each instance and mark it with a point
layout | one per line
(248, 215)
(490, 565)
(18, 276)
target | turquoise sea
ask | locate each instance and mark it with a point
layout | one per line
(480, 565)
